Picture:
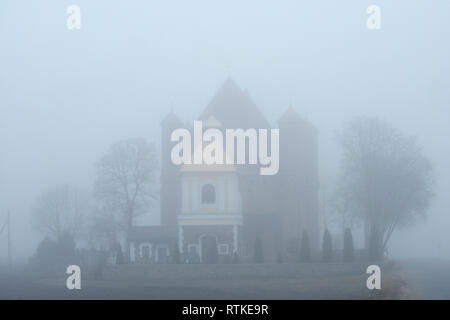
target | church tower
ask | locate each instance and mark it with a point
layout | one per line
(298, 181)
(170, 200)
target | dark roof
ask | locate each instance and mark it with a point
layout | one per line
(234, 109)
(171, 118)
(152, 233)
(292, 117)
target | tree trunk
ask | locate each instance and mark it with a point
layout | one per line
(127, 236)
(375, 243)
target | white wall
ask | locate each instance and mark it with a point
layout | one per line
(228, 199)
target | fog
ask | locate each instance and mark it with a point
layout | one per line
(65, 96)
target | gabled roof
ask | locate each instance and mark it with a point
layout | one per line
(198, 153)
(290, 116)
(212, 122)
(171, 118)
(234, 109)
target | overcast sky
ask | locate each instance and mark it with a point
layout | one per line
(66, 95)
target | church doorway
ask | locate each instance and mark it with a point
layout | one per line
(209, 250)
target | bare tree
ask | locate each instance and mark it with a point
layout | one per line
(106, 228)
(59, 209)
(386, 180)
(125, 180)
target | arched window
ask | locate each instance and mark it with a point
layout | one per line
(208, 194)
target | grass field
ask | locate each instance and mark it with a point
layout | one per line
(321, 281)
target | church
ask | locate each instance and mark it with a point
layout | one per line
(220, 213)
